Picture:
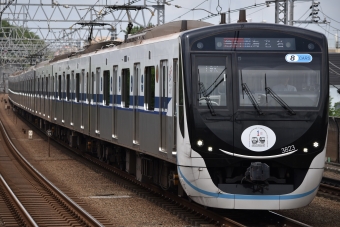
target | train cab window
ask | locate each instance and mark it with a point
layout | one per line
(298, 85)
(125, 88)
(106, 92)
(149, 91)
(68, 87)
(77, 87)
(211, 81)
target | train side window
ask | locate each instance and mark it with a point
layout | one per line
(68, 87)
(59, 87)
(87, 86)
(38, 91)
(149, 92)
(42, 85)
(77, 87)
(106, 92)
(125, 88)
(64, 87)
(92, 87)
(46, 86)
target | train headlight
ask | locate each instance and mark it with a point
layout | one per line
(305, 150)
(210, 149)
(200, 143)
(315, 144)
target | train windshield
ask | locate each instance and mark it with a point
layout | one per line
(212, 79)
(271, 80)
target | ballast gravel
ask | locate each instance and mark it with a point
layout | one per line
(123, 207)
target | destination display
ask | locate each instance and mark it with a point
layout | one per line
(254, 43)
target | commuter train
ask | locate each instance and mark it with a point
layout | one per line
(233, 116)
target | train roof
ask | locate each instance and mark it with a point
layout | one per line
(167, 29)
(149, 33)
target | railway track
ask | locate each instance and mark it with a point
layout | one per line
(31, 199)
(330, 188)
(193, 213)
(12, 212)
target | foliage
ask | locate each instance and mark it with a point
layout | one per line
(333, 111)
(136, 29)
(20, 35)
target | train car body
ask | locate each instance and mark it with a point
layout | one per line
(236, 113)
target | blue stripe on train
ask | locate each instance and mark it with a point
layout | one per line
(246, 197)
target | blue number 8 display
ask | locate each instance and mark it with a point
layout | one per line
(299, 58)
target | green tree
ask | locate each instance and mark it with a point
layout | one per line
(333, 111)
(19, 35)
(136, 29)
(330, 107)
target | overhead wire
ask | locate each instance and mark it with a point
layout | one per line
(252, 13)
(233, 11)
(327, 15)
(326, 30)
(96, 19)
(334, 65)
(189, 10)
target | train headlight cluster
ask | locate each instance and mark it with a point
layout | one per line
(315, 145)
(200, 143)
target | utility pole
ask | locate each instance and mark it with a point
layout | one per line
(160, 12)
(291, 12)
(229, 15)
(337, 44)
(314, 14)
(281, 11)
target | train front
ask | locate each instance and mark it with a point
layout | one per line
(255, 115)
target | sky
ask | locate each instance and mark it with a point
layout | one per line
(329, 9)
(198, 9)
(256, 11)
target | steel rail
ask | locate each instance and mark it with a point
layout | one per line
(28, 217)
(89, 219)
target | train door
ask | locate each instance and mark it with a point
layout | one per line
(36, 95)
(174, 102)
(72, 100)
(98, 86)
(114, 101)
(136, 92)
(82, 96)
(46, 106)
(63, 95)
(163, 103)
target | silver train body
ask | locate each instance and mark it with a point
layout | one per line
(130, 104)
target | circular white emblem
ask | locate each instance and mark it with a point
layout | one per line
(258, 138)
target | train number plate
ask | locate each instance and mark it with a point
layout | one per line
(288, 149)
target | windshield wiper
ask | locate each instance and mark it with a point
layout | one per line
(207, 99)
(206, 96)
(250, 96)
(279, 100)
(216, 84)
(276, 97)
